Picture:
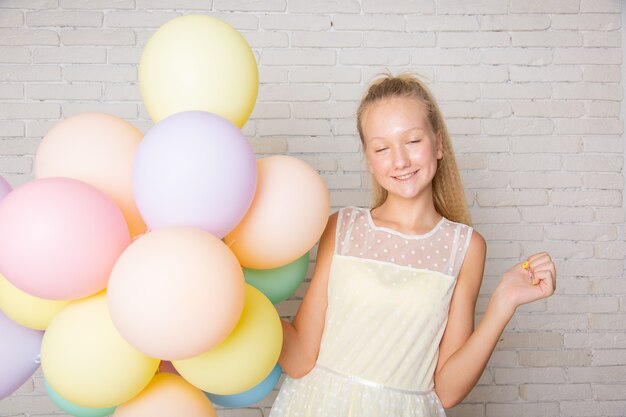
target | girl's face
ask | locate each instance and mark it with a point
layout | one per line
(400, 147)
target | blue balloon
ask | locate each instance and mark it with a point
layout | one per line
(73, 409)
(252, 396)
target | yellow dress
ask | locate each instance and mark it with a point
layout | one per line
(388, 300)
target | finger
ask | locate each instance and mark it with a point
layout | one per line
(547, 277)
(538, 256)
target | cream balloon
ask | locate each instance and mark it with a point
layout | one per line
(198, 62)
(87, 362)
(25, 309)
(98, 149)
(167, 395)
(176, 292)
(287, 216)
(246, 357)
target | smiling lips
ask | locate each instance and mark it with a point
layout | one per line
(405, 176)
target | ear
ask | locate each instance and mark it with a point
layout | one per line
(439, 145)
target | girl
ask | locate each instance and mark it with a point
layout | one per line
(386, 327)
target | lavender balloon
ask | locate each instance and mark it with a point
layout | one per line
(19, 351)
(194, 169)
(5, 187)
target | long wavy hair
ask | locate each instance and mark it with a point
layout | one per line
(448, 192)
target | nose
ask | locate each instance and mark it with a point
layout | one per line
(401, 158)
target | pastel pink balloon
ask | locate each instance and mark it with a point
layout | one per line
(5, 187)
(287, 216)
(98, 149)
(176, 292)
(59, 238)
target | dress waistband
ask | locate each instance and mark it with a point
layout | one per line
(369, 383)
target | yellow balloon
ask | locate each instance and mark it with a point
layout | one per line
(198, 62)
(168, 395)
(87, 362)
(25, 309)
(246, 357)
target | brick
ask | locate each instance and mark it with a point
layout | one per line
(545, 74)
(544, 6)
(581, 304)
(269, 146)
(546, 180)
(593, 408)
(373, 39)
(247, 5)
(604, 181)
(546, 38)
(440, 56)
(468, 73)
(374, 56)
(64, 18)
(118, 92)
(588, 126)
(605, 374)
(486, 393)
(16, 164)
(503, 250)
(536, 340)
(97, 4)
(323, 75)
(609, 357)
(11, 91)
(600, 6)
(78, 55)
(520, 162)
(552, 322)
(398, 6)
(593, 268)
(604, 143)
(268, 75)
(62, 92)
(345, 126)
(463, 126)
(11, 18)
(587, 56)
(369, 22)
(546, 392)
(100, 73)
(294, 92)
(300, 56)
(280, 127)
(343, 181)
(323, 6)
(586, 21)
(602, 39)
(529, 375)
(480, 144)
(519, 232)
(517, 56)
(601, 73)
(10, 128)
(486, 180)
(610, 391)
(471, 162)
(124, 55)
(28, 37)
(174, 4)
(475, 7)
(490, 215)
(34, 110)
(464, 409)
(326, 39)
(551, 108)
(557, 214)
(122, 110)
(94, 37)
(611, 250)
(264, 110)
(595, 340)
(548, 144)
(473, 39)
(610, 215)
(326, 110)
(266, 39)
(19, 146)
(455, 91)
(488, 109)
(350, 198)
(138, 19)
(587, 91)
(15, 55)
(514, 23)
(352, 163)
(602, 108)
(433, 23)
(30, 4)
(295, 22)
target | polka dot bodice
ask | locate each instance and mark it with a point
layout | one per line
(388, 299)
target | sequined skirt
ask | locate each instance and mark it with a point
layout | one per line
(324, 392)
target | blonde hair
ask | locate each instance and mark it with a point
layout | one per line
(448, 192)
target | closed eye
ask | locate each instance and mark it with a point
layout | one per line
(380, 150)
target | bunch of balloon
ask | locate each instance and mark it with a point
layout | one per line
(128, 251)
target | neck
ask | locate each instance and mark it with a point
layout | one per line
(409, 215)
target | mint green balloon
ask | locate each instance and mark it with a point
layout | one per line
(74, 409)
(280, 283)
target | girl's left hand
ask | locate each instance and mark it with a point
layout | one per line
(526, 283)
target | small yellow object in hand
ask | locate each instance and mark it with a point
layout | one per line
(525, 266)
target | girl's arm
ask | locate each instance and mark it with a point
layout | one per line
(463, 351)
(302, 337)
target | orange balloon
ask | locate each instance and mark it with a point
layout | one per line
(167, 395)
(98, 149)
(287, 216)
(176, 292)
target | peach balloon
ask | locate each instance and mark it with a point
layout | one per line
(287, 216)
(87, 362)
(98, 149)
(167, 395)
(176, 292)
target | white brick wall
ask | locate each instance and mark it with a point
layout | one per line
(532, 91)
